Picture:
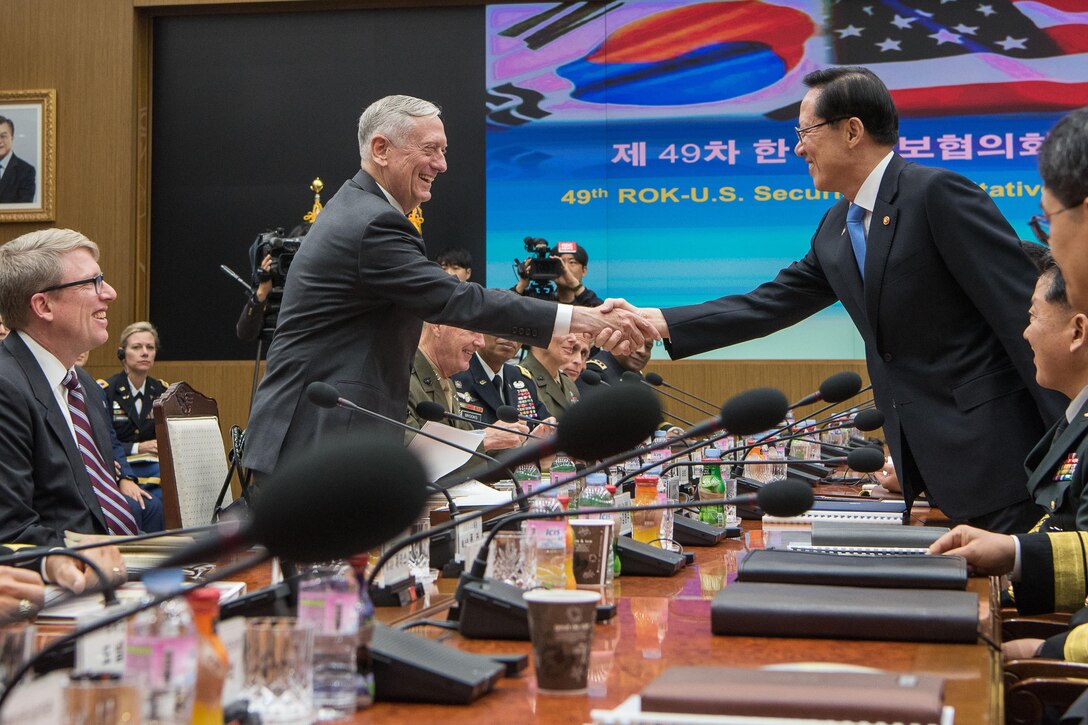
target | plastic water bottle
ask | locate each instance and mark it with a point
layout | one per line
(550, 540)
(712, 487)
(597, 496)
(328, 600)
(364, 662)
(161, 652)
(658, 455)
(563, 470)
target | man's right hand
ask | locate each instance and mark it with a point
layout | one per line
(614, 326)
(75, 576)
(985, 551)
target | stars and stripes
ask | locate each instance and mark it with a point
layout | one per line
(119, 518)
(941, 57)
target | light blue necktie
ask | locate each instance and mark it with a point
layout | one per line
(855, 224)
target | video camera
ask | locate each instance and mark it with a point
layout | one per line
(541, 269)
(282, 249)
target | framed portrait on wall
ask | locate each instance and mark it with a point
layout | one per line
(28, 158)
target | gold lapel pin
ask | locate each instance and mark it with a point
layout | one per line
(887, 220)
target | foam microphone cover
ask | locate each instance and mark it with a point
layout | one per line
(788, 497)
(323, 394)
(840, 386)
(754, 410)
(654, 379)
(618, 418)
(343, 498)
(865, 459)
(430, 410)
(590, 377)
(868, 420)
(630, 376)
(507, 414)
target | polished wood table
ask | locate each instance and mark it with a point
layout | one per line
(665, 622)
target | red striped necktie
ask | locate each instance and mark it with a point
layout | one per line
(119, 518)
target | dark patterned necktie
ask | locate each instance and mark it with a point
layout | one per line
(497, 381)
(119, 518)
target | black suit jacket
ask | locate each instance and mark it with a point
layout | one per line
(353, 306)
(942, 311)
(44, 485)
(18, 183)
(1056, 475)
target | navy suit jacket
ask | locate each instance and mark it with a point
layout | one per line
(18, 183)
(354, 303)
(942, 311)
(1056, 475)
(44, 486)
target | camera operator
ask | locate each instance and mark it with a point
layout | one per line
(251, 321)
(568, 284)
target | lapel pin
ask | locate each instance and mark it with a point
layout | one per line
(887, 220)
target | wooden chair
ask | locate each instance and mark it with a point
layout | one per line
(192, 461)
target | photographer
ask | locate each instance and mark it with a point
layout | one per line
(568, 282)
(251, 322)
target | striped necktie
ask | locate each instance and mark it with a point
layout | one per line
(119, 518)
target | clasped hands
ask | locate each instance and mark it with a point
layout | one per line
(618, 326)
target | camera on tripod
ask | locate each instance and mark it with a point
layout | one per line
(541, 269)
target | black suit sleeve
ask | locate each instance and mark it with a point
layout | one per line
(26, 184)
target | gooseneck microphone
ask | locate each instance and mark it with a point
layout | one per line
(629, 376)
(508, 414)
(591, 378)
(866, 459)
(432, 411)
(658, 381)
(358, 507)
(632, 377)
(835, 389)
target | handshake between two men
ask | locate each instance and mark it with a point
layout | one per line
(618, 326)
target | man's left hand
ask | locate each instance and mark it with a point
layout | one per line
(614, 326)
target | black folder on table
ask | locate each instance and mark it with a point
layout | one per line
(805, 610)
(909, 571)
(825, 533)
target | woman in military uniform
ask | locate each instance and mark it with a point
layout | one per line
(130, 394)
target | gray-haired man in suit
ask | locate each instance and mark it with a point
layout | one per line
(361, 286)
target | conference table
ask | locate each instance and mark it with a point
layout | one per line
(665, 622)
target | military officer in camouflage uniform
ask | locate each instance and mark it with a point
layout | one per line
(556, 390)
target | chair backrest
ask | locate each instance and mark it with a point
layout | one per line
(192, 460)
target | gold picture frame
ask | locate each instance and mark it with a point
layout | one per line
(28, 154)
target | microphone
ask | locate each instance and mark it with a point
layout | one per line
(508, 414)
(633, 377)
(656, 380)
(326, 396)
(835, 389)
(861, 460)
(591, 378)
(616, 419)
(357, 509)
(234, 275)
(430, 410)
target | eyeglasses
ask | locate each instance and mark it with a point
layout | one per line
(97, 280)
(1040, 223)
(802, 131)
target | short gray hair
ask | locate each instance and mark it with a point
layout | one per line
(29, 264)
(391, 117)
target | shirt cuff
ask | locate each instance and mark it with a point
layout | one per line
(1014, 575)
(135, 449)
(562, 320)
(41, 566)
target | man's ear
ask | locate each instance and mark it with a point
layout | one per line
(379, 148)
(41, 307)
(1079, 338)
